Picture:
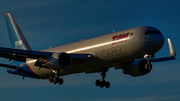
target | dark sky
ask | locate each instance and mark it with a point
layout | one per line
(48, 23)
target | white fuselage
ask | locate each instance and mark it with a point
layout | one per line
(110, 50)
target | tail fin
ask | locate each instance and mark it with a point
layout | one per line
(16, 37)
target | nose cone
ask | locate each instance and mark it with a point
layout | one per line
(159, 40)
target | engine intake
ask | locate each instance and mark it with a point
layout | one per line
(59, 60)
(138, 68)
(64, 60)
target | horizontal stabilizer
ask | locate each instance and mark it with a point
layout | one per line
(8, 66)
(172, 53)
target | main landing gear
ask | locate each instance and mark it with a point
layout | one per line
(103, 82)
(56, 80)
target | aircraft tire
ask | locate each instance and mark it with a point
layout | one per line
(98, 82)
(102, 84)
(50, 79)
(55, 80)
(61, 81)
(107, 84)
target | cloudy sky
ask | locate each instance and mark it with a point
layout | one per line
(48, 23)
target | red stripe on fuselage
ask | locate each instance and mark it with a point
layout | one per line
(19, 32)
(32, 70)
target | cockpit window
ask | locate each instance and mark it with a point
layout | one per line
(152, 32)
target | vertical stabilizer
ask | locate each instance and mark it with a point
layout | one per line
(16, 37)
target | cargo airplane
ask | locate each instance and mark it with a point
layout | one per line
(132, 50)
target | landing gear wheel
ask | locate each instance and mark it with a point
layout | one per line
(98, 82)
(107, 84)
(102, 84)
(55, 80)
(61, 81)
(50, 79)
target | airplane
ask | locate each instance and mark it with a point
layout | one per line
(132, 50)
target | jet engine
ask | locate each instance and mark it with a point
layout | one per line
(59, 60)
(138, 68)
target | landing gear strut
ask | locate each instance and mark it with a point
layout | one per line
(103, 82)
(149, 57)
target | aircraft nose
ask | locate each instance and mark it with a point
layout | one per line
(159, 40)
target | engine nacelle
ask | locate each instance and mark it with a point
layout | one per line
(138, 68)
(59, 60)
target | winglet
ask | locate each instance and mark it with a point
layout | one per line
(17, 40)
(171, 48)
(172, 54)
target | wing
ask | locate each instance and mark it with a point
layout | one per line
(21, 55)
